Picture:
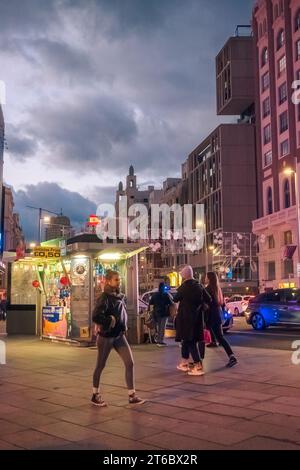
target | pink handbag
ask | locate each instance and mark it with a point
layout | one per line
(207, 336)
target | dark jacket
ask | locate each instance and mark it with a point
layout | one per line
(192, 298)
(213, 317)
(110, 304)
(160, 302)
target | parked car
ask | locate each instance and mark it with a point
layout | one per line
(146, 296)
(227, 317)
(279, 307)
(227, 320)
(237, 304)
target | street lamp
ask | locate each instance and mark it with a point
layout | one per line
(41, 218)
(289, 172)
(200, 224)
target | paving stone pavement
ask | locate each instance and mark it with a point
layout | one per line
(45, 390)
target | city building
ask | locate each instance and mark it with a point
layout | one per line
(150, 262)
(276, 27)
(235, 75)
(12, 229)
(13, 237)
(58, 226)
(2, 136)
(221, 175)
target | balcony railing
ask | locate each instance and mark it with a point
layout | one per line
(278, 218)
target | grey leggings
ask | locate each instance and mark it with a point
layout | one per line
(120, 344)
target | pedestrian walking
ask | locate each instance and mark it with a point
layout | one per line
(110, 316)
(214, 319)
(161, 302)
(189, 324)
(3, 307)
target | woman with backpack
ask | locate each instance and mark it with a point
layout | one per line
(110, 316)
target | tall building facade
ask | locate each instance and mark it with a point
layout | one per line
(221, 175)
(150, 262)
(1, 181)
(276, 27)
(13, 235)
(59, 226)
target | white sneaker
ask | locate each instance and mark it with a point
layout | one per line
(182, 366)
(196, 371)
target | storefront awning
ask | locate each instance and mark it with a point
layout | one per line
(120, 253)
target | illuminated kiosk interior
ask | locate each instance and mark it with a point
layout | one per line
(175, 279)
(64, 290)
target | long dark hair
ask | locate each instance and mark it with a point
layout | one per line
(214, 287)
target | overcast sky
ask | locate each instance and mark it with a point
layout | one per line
(93, 86)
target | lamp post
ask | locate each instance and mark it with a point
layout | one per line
(41, 210)
(289, 172)
(200, 224)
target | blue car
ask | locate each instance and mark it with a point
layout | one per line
(227, 321)
(278, 307)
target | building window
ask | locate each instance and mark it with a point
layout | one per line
(265, 81)
(281, 6)
(281, 65)
(283, 122)
(282, 93)
(287, 194)
(264, 56)
(269, 201)
(265, 25)
(284, 148)
(297, 20)
(266, 107)
(131, 184)
(298, 50)
(287, 268)
(270, 271)
(268, 158)
(288, 237)
(267, 134)
(280, 39)
(271, 242)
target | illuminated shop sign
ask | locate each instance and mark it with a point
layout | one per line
(46, 252)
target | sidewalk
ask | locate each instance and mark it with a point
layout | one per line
(45, 390)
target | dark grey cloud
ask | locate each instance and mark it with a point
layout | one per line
(53, 197)
(80, 135)
(136, 16)
(21, 146)
(114, 82)
(103, 194)
(61, 57)
(27, 16)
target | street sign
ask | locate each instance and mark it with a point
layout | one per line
(46, 252)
